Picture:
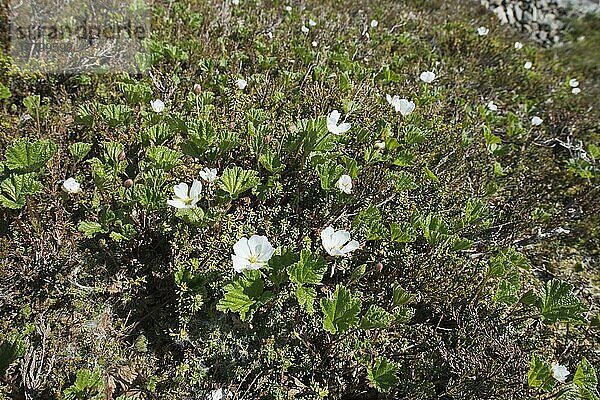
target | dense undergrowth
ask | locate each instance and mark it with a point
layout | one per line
(478, 230)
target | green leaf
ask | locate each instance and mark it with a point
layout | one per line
(586, 380)
(403, 314)
(329, 173)
(163, 158)
(279, 264)
(15, 188)
(26, 156)
(88, 385)
(308, 270)
(569, 392)
(306, 297)
(506, 261)
(115, 115)
(91, 229)
(10, 350)
(402, 181)
(79, 150)
(383, 375)
(4, 92)
(540, 375)
(402, 233)
(507, 291)
(270, 161)
(376, 317)
(558, 303)
(402, 296)
(341, 312)
(368, 223)
(235, 181)
(244, 295)
(201, 136)
(435, 230)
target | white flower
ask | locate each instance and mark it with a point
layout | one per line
(208, 174)
(491, 106)
(314, 43)
(575, 90)
(535, 121)
(304, 29)
(380, 145)
(560, 372)
(332, 124)
(184, 198)
(518, 45)
(345, 184)
(252, 253)
(241, 83)
(427, 76)
(483, 31)
(312, 22)
(157, 105)
(288, 8)
(573, 82)
(235, 2)
(270, 35)
(528, 65)
(403, 106)
(71, 186)
(374, 23)
(219, 394)
(338, 243)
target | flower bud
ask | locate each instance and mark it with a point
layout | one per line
(128, 183)
(121, 156)
(379, 266)
(197, 88)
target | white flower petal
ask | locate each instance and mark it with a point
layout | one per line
(196, 189)
(181, 190)
(350, 246)
(242, 249)
(177, 203)
(239, 263)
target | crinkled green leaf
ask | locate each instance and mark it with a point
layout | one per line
(507, 291)
(26, 156)
(368, 224)
(540, 375)
(244, 295)
(402, 233)
(236, 180)
(308, 270)
(341, 312)
(586, 380)
(163, 158)
(4, 92)
(558, 303)
(506, 261)
(383, 375)
(10, 350)
(91, 229)
(329, 173)
(402, 181)
(15, 189)
(376, 317)
(79, 150)
(306, 297)
(402, 296)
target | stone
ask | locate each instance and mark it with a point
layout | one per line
(518, 12)
(511, 16)
(501, 14)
